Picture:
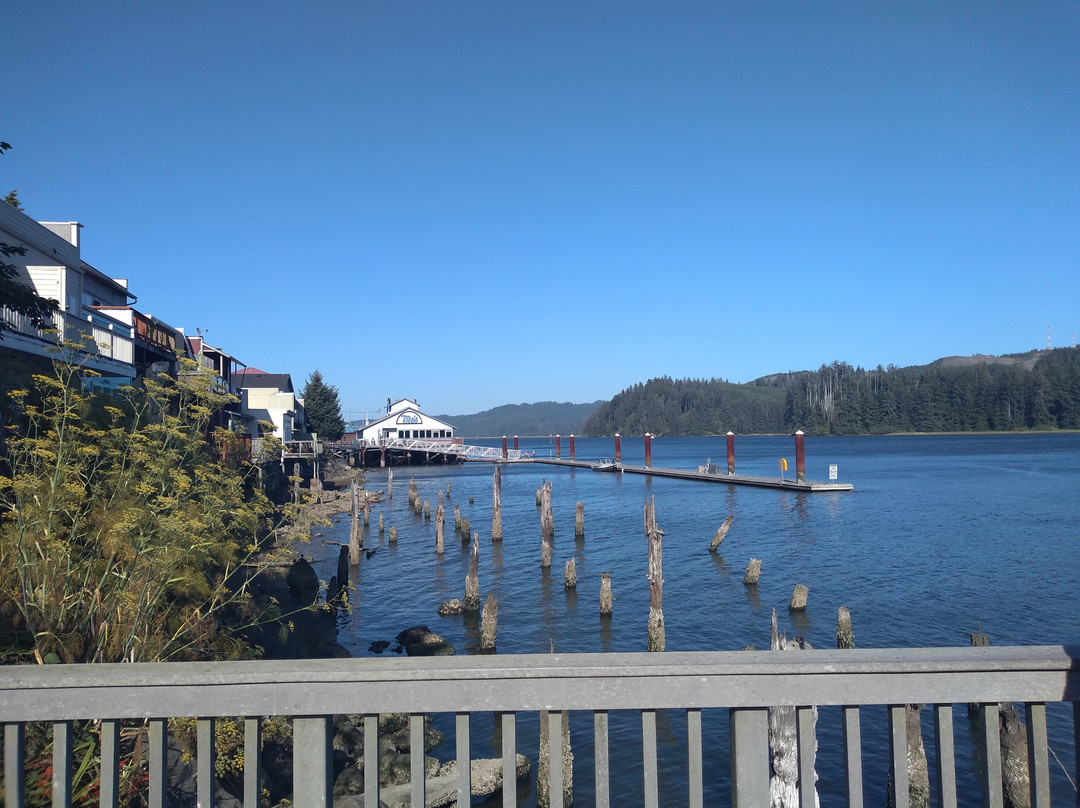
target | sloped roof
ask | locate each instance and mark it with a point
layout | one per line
(276, 381)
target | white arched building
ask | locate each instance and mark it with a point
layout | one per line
(404, 420)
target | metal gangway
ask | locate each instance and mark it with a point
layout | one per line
(446, 446)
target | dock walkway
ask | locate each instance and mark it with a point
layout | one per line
(809, 486)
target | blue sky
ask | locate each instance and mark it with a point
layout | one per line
(483, 203)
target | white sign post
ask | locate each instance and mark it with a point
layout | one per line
(832, 471)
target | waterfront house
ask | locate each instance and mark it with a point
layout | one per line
(403, 421)
(270, 397)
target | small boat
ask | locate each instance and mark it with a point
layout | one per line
(606, 464)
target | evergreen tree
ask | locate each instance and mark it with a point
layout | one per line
(323, 408)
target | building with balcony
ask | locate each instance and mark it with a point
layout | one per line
(270, 397)
(87, 300)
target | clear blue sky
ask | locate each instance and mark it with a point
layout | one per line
(480, 203)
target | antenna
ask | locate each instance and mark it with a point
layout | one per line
(1048, 338)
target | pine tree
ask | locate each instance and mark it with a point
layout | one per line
(323, 408)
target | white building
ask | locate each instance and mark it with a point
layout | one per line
(404, 420)
(270, 397)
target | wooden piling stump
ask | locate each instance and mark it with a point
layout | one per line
(570, 575)
(753, 572)
(488, 628)
(656, 578)
(547, 525)
(845, 636)
(798, 599)
(472, 580)
(607, 600)
(579, 521)
(393, 535)
(496, 505)
(721, 533)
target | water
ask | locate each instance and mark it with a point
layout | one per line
(941, 535)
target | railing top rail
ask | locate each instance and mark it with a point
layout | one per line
(543, 681)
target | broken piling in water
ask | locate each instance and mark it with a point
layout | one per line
(488, 628)
(579, 520)
(798, 599)
(547, 525)
(607, 600)
(655, 537)
(472, 580)
(753, 572)
(721, 533)
(570, 575)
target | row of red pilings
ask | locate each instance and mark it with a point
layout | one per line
(800, 451)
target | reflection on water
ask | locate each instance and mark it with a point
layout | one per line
(922, 507)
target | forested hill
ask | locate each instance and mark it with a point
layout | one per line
(541, 418)
(1038, 390)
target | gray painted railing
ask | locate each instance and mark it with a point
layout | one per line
(743, 683)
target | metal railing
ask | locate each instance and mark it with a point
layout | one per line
(742, 685)
(447, 446)
(101, 336)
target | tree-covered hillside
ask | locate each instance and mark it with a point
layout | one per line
(1040, 390)
(541, 418)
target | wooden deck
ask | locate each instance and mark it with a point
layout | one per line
(808, 486)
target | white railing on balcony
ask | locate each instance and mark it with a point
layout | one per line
(742, 685)
(99, 335)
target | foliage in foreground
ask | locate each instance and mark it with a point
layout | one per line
(124, 534)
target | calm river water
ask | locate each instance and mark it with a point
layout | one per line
(942, 534)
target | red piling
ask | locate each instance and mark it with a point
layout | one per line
(730, 452)
(800, 457)
(618, 448)
(515, 443)
(558, 446)
(504, 447)
(571, 445)
(648, 450)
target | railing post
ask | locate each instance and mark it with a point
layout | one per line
(601, 767)
(464, 760)
(509, 759)
(694, 797)
(804, 717)
(62, 753)
(648, 758)
(158, 769)
(110, 764)
(946, 756)
(898, 769)
(371, 760)
(990, 741)
(252, 760)
(313, 767)
(749, 728)
(853, 757)
(418, 775)
(1038, 757)
(204, 763)
(14, 770)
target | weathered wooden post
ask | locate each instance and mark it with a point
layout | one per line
(496, 505)
(571, 445)
(367, 512)
(786, 726)
(656, 578)
(648, 450)
(449, 483)
(356, 534)
(558, 446)
(579, 520)
(457, 518)
(382, 457)
(607, 600)
(504, 447)
(488, 618)
(798, 599)
(382, 522)
(845, 636)
(440, 515)
(570, 575)
(390, 484)
(539, 496)
(427, 510)
(547, 525)
(413, 495)
(418, 505)
(472, 580)
(466, 529)
(392, 538)
(721, 533)
(800, 456)
(618, 448)
(753, 571)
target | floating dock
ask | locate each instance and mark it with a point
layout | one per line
(808, 486)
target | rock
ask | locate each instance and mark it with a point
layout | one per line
(422, 641)
(378, 646)
(303, 582)
(451, 608)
